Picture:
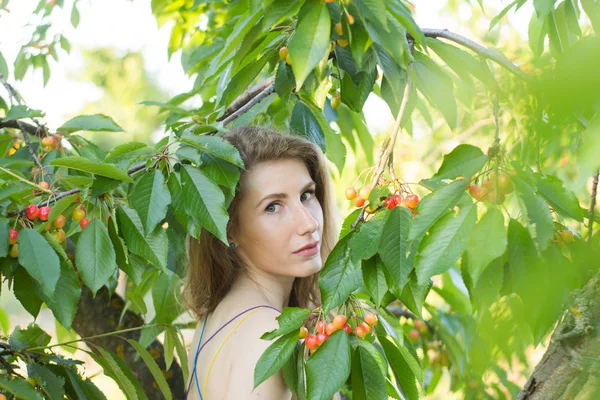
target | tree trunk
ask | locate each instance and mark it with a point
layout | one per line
(570, 368)
(101, 315)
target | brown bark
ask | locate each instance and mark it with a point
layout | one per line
(570, 368)
(100, 315)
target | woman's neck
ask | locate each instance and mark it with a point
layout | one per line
(262, 288)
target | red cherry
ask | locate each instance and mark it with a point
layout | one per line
(44, 213)
(412, 200)
(419, 324)
(413, 335)
(311, 342)
(321, 337)
(60, 221)
(371, 318)
(365, 327)
(339, 321)
(32, 212)
(359, 202)
(320, 327)
(83, 223)
(348, 329)
(329, 329)
(12, 236)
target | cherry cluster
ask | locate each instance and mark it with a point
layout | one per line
(396, 200)
(324, 329)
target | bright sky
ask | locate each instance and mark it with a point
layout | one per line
(130, 26)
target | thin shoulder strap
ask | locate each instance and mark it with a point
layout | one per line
(200, 347)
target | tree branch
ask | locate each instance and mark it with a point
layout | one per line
(245, 97)
(15, 124)
(593, 206)
(491, 54)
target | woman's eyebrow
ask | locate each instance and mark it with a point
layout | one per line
(283, 195)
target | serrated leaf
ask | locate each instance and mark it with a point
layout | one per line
(95, 255)
(401, 362)
(154, 369)
(434, 205)
(124, 149)
(169, 346)
(32, 336)
(152, 247)
(95, 123)
(204, 203)
(20, 111)
(304, 123)
(113, 369)
(447, 239)
(274, 357)
(164, 297)
(4, 236)
(366, 375)
(290, 319)
(374, 11)
(64, 306)
(151, 198)
(50, 383)
(537, 211)
(3, 66)
(87, 165)
(340, 275)
(324, 380)
(19, 388)
(374, 279)
(39, 259)
(24, 290)
(543, 7)
(561, 199)
(310, 41)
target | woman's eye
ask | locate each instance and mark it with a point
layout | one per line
(270, 210)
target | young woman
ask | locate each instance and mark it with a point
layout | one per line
(280, 231)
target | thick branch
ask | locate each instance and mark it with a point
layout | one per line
(571, 362)
(593, 206)
(245, 97)
(15, 124)
(491, 54)
(100, 314)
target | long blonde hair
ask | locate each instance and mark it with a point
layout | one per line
(212, 266)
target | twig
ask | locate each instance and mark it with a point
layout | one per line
(387, 149)
(9, 172)
(256, 99)
(400, 312)
(15, 124)
(481, 50)
(246, 97)
(593, 206)
(30, 147)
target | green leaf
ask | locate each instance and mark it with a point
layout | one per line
(447, 239)
(304, 123)
(24, 290)
(310, 42)
(96, 123)
(561, 199)
(374, 11)
(413, 295)
(60, 206)
(154, 369)
(434, 205)
(487, 242)
(39, 259)
(404, 366)
(124, 149)
(32, 336)
(64, 306)
(502, 13)
(164, 296)
(291, 319)
(374, 279)
(277, 10)
(284, 81)
(274, 357)
(404, 16)
(221, 172)
(392, 39)
(368, 376)
(340, 275)
(152, 247)
(75, 16)
(537, 31)
(465, 160)
(356, 96)
(51, 384)
(87, 165)
(242, 80)
(3, 66)
(183, 358)
(537, 210)
(214, 145)
(587, 153)
(592, 9)
(95, 255)
(396, 252)
(204, 202)
(79, 388)
(20, 112)
(436, 86)
(329, 367)
(112, 368)
(290, 370)
(19, 388)
(4, 236)
(543, 7)
(169, 345)
(151, 198)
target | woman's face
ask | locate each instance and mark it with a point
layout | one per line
(279, 215)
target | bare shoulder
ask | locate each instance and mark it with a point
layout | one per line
(249, 348)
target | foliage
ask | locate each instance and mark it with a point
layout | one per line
(492, 256)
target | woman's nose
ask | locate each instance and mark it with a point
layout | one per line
(305, 221)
